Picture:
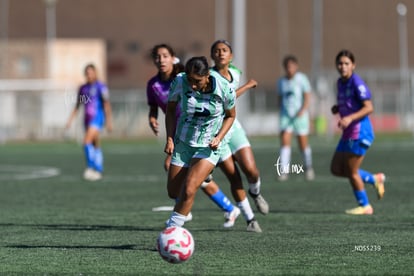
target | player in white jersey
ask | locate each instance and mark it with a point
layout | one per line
(241, 151)
(207, 112)
(294, 92)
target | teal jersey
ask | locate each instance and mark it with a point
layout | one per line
(292, 92)
(234, 83)
(202, 113)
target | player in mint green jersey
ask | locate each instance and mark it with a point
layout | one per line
(195, 142)
(241, 151)
(158, 88)
(294, 92)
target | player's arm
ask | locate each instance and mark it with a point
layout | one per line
(366, 109)
(242, 89)
(73, 113)
(170, 126)
(229, 117)
(153, 119)
(108, 114)
(305, 104)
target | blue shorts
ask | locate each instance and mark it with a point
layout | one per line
(97, 122)
(358, 146)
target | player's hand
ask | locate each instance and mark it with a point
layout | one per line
(252, 83)
(344, 122)
(215, 143)
(334, 109)
(109, 126)
(169, 146)
(154, 125)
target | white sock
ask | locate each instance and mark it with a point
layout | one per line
(307, 157)
(255, 187)
(285, 158)
(246, 210)
(176, 219)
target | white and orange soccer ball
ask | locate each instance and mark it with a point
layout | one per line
(175, 244)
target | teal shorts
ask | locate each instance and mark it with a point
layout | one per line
(184, 153)
(238, 139)
(297, 125)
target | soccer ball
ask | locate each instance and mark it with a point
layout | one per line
(175, 244)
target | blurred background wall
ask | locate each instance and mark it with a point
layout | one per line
(45, 44)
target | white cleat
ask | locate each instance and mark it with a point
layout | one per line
(92, 175)
(230, 217)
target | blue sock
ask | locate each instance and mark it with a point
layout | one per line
(222, 201)
(361, 197)
(89, 150)
(367, 177)
(98, 160)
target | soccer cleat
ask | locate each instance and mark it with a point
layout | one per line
(379, 184)
(230, 217)
(260, 203)
(88, 173)
(92, 175)
(309, 174)
(282, 177)
(253, 226)
(361, 210)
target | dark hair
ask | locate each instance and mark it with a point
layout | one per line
(198, 66)
(289, 58)
(214, 45)
(177, 67)
(345, 53)
(89, 66)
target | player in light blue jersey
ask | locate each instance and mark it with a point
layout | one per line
(240, 148)
(158, 88)
(354, 106)
(294, 92)
(94, 96)
(195, 142)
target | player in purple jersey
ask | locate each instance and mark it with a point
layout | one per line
(353, 106)
(94, 96)
(158, 86)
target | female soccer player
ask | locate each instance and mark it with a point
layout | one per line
(157, 95)
(354, 105)
(222, 54)
(94, 95)
(294, 97)
(195, 142)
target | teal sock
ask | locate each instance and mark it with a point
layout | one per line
(361, 197)
(221, 200)
(367, 177)
(89, 150)
(98, 160)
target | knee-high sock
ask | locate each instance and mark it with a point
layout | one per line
(98, 160)
(254, 188)
(361, 197)
(285, 152)
(89, 151)
(222, 201)
(367, 177)
(307, 157)
(246, 209)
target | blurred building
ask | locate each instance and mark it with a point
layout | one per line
(314, 30)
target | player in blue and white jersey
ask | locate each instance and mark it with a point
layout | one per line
(354, 105)
(195, 142)
(94, 96)
(294, 92)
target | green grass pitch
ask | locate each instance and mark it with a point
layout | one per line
(53, 223)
